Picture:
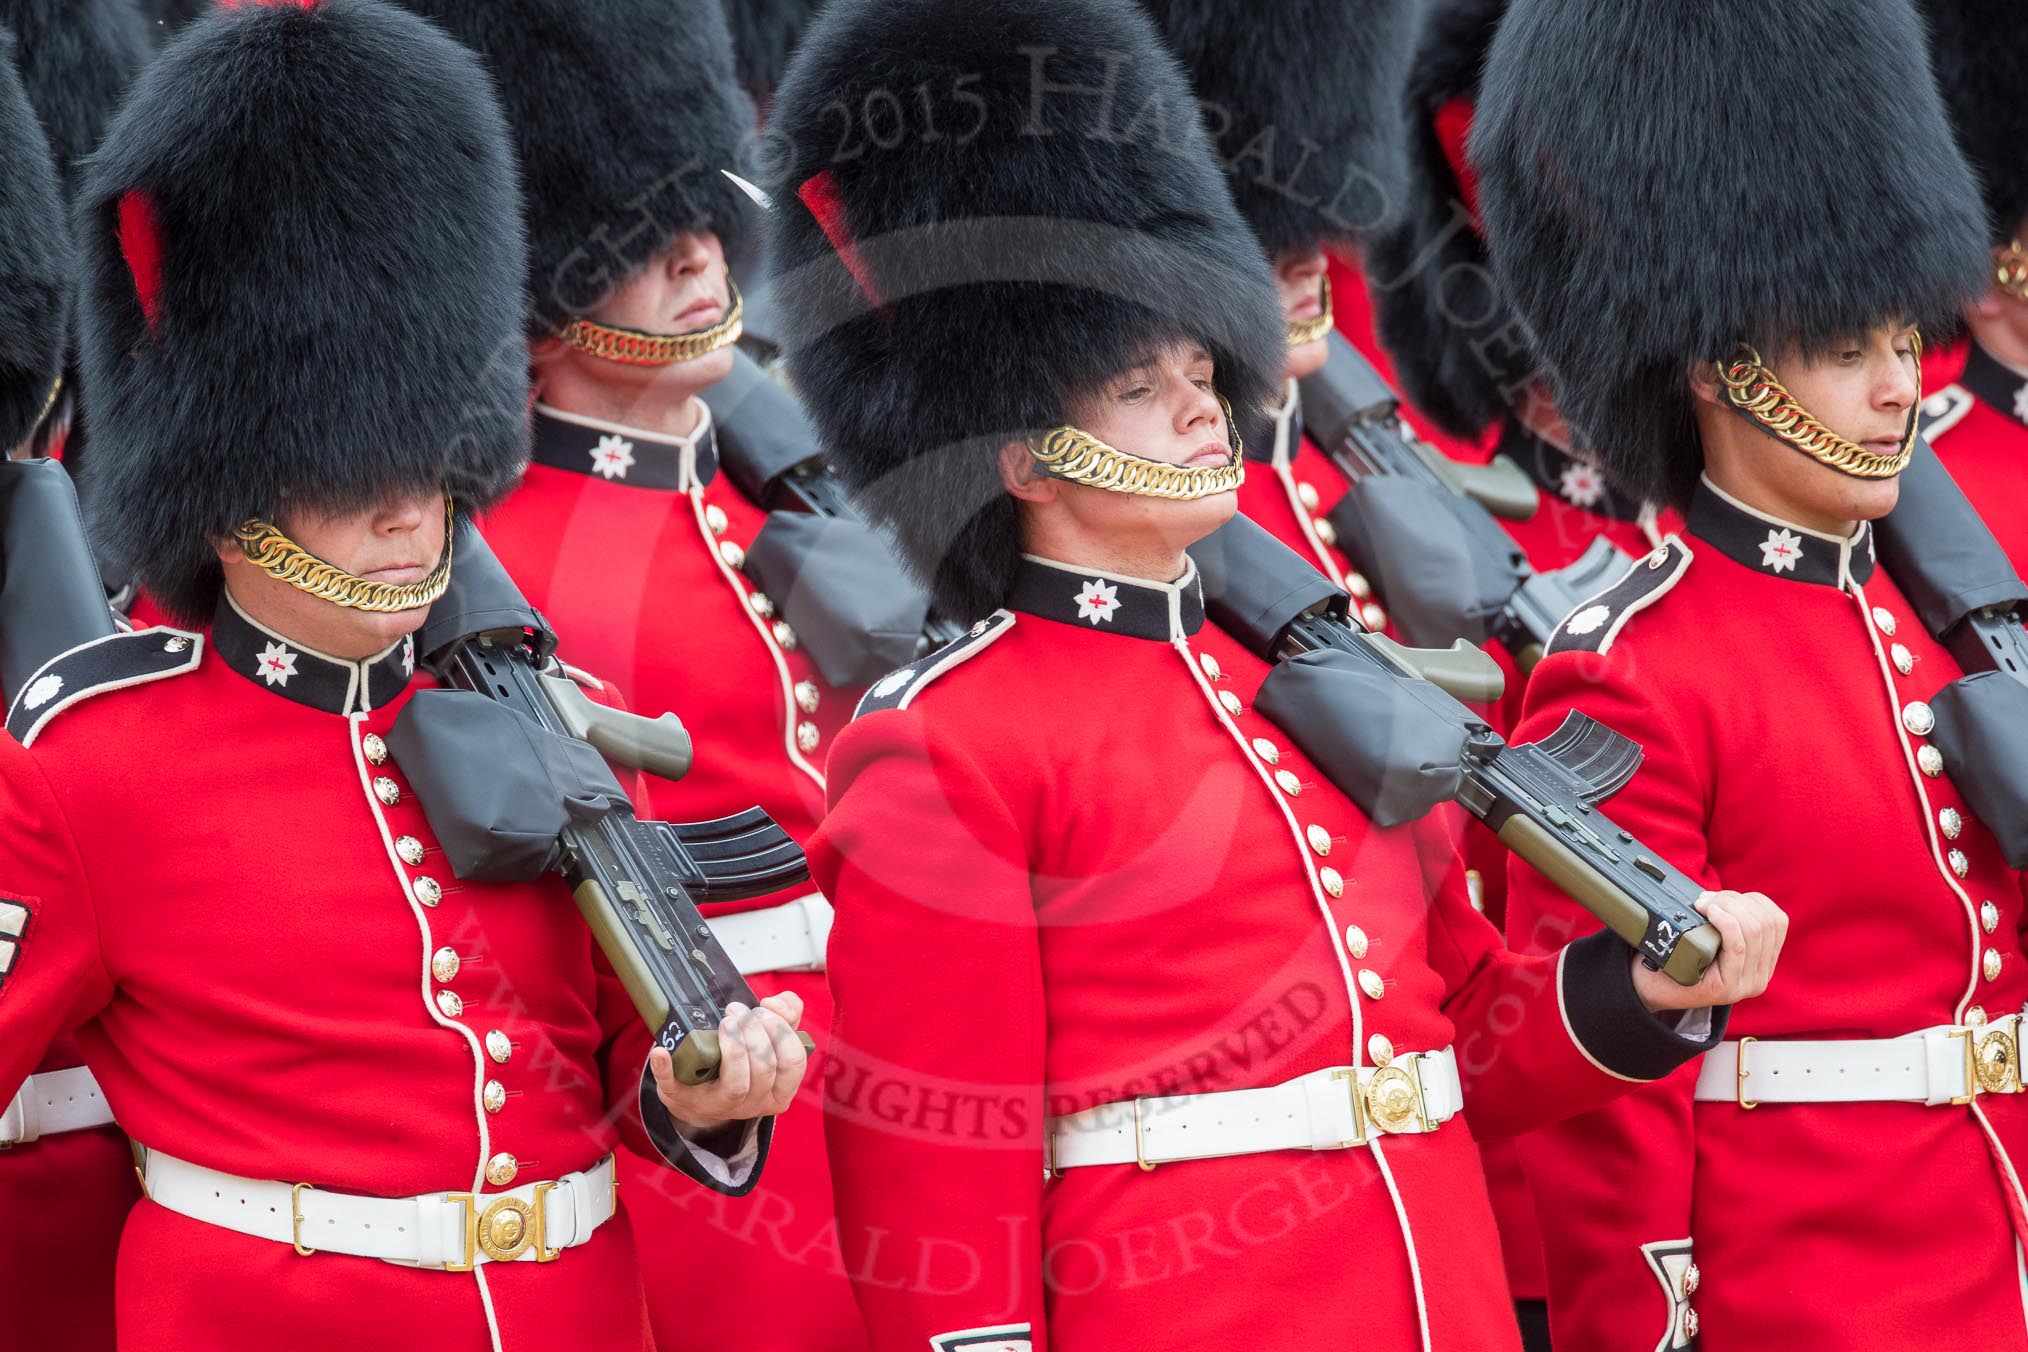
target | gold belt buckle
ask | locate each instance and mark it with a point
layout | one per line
(505, 1230)
(1995, 1065)
(1393, 1097)
(1739, 1074)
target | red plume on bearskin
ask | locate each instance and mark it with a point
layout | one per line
(301, 255)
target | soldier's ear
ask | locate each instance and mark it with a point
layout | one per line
(1704, 382)
(1022, 477)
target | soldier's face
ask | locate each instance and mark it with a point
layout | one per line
(1167, 409)
(683, 289)
(1299, 276)
(396, 542)
(1862, 389)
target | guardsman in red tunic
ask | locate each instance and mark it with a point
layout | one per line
(1146, 1036)
(1301, 104)
(1461, 361)
(373, 1105)
(632, 537)
(66, 1181)
(1979, 424)
(1844, 1171)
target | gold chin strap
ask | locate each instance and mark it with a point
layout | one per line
(1081, 458)
(1752, 389)
(1305, 331)
(2010, 269)
(286, 561)
(632, 348)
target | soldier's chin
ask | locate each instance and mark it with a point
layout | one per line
(1189, 522)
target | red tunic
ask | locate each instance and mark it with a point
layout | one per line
(1982, 440)
(1072, 865)
(219, 898)
(631, 544)
(1775, 688)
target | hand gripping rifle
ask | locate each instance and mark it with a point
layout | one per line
(509, 764)
(836, 579)
(1971, 600)
(1390, 725)
(1422, 527)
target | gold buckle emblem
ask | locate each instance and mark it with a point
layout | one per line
(1394, 1099)
(1739, 1074)
(505, 1230)
(1998, 1062)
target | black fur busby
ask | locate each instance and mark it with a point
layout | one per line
(956, 273)
(1436, 307)
(77, 58)
(1302, 99)
(301, 253)
(1662, 181)
(1982, 69)
(764, 33)
(624, 112)
(34, 261)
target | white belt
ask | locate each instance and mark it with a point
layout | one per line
(1323, 1110)
(1945, 1064)
(448, 1230)
(52, 1102)
(785, 938)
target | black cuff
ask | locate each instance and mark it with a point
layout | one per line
(1609, 1021)
(681, 1155)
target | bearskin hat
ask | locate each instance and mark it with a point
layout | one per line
(1302, 99)
(300, 248)
(764, 33)
(1436, 307)
(955, 274)
(34, 261)
(1661, 182)
(77, 58)
(624, 112)
(1983, 73)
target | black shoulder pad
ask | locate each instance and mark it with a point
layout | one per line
(898, 687)
(1592, 627)
(1944, 410)
(110, 663)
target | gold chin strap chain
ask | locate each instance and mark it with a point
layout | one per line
(632, 348)
(1076, 456)
(2010, 269)
(1304, 331)
(286, 561)
(1753, 390)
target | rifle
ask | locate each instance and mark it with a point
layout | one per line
(51, 599)
(836, 578)
(1967, 594)
(637, 882)
(1422, 526)
(1541, 799)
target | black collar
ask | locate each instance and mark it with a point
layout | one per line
(1995, 385)
(1771, 545)
(304, 675)
(625, 455)
(1136, 607)
(1285, 432)
(1563, 476)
